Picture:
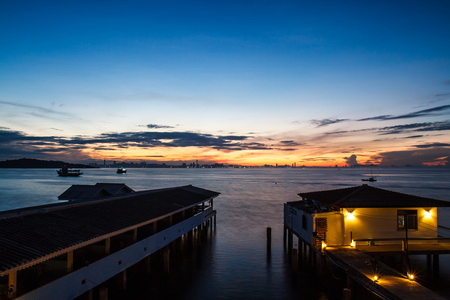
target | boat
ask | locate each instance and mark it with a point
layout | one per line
(121, 170)
(68, 173)
(369, 179)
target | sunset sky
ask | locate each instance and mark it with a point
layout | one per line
(316, 83)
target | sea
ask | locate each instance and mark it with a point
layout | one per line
(234, 263)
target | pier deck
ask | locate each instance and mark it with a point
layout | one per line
(391, 283)
(413, 249)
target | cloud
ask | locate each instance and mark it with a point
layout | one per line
(432, 145)
(416, 127)
(399, 129)
(43, 110)
(154, 126)
(326, 122)
(351, 161)
(15, 143)
(426, 112)
(421, 157)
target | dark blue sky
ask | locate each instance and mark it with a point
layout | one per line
(272, 71)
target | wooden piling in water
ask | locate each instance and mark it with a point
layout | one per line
(269, 239)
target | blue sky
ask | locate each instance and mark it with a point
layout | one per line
(245, 82)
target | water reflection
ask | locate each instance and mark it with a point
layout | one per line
(234, 263)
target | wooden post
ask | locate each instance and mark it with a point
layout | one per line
(90, 294)
(122, 280)
(134, 235)
(269, 239)
(69, 261)
(290, 238)
(12, 284)
(108, 245)
(166, 259)
(103, 293)
(436, 265)
(300, 251)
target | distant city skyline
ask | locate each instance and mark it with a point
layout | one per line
(230, 82)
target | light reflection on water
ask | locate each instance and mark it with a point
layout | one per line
(234, 264)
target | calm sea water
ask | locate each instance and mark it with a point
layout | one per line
(234, 264)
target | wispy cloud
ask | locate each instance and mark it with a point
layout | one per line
(36, 109)
(155, 126)
(326, 122)
(421, 113)
(433, 145)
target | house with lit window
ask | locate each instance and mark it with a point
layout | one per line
(362, 214)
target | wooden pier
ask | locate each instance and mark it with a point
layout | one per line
(362, 268)
(75, 249)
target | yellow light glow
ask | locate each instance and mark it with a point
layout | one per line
(410, 276)
(350, 215)
(324, 245)
(375, 278)
(428, 213)
(352, 244)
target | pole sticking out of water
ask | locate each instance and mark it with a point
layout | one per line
(269, 239)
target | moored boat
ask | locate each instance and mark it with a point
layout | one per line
(68, 173)
(121, 170)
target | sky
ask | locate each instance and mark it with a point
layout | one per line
(314, 83)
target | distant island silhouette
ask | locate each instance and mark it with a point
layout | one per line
(36, 163)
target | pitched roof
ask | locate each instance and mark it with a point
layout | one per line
(100, 190)
(368, 196)
(31, 235)
(78, 191)
(116, 188)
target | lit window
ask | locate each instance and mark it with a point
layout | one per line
(406, 219)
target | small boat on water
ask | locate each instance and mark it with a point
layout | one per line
(121, 170)
(369, 179)
(65, 172)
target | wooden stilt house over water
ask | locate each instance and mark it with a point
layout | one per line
(362, 214)
(352, 228)
(63, 250)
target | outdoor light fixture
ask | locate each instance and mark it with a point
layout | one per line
(324, 245)
(375, 278)
(350, 214)
(428, 213)
(352, 244)
(410, 276)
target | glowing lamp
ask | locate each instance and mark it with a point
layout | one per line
(428, 213)
(324, 245)
(410, 276)
(375, 278)
(352, 244)
(350, 215)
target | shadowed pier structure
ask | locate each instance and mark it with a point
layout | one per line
(67, 250)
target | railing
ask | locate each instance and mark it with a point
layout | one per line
(404, 241)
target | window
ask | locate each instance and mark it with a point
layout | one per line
(406, 219)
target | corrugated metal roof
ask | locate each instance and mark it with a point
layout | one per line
(368, 196)
(36, 232)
